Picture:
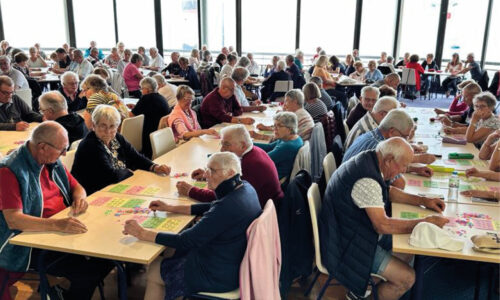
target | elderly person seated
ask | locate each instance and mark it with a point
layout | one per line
(194, 59)
(142, 51)
(254, 67)
(62, 62)
(173, 68)
(458, 123)
(239, 76)
(217, 242)
(104, 156)
(373, 73)
(271, 68)
(383, 58)
(313, 105)
(354, 216)
(371, 119)
(20, 64)
(220, 105)
(294, 102)
(97, 91)
(349, 65)
(183, 119)
(35, 185)
(360, 72)
(156, 63)
(320, 70)
(127, 54)
(489, 146)
(286, 145)
(94, 57)
(489, 150)
(75, 97)
(132, 76)
(413, 64)
(153, 106)
(93, 45)
(391, 80)
(389, 63)
(295, 73)
(167, 90)
(257, 167)
(458, 106)
(483, 121)
(54, 108)
(15, 114)
(324, 95)
(20, 82)
(369, 96)
(35, 60)
(227, 69)
(299, 59)
(82, 67)
(205, 63)
(113, 59)
(268, 86)
(189, 73)
(396, 123)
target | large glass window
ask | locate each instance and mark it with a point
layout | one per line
(180, 24)
(268, 26)
(377, 27)
(328, 24)
(136, 23)
(465, 28)
(101, 29)
(493, 50)
(27, 22)
(220, 21)
(419, 27)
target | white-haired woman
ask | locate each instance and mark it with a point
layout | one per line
(194, 59)
(216, 242)
(483, 121)
(113, 59)
(35, 60)
(268, 85)
(167, 90)
(286, 145)
(105, 157)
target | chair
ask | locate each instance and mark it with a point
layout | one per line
(408, 79)
(68, 159)
(329, 166)
(385, 70)
(281, 87)
(132, 131)
(346, 128)
(302, 160)
(25, 95)
(162, 141)
(75, 144)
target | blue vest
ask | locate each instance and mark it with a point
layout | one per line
(27, 171)
(348, 239)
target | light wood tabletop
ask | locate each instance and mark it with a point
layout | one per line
(10, 140)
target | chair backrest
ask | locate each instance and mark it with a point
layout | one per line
(283, 86)
(132, 131)
(162, 141)
(384, 70)
(302, 160)
(408, 77)
(68, 159)
(75, 144)
(346, 128)
(329, 166)
(314, 200)
(25, 95)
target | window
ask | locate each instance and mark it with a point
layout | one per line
(465, 28)
(377, 27)
(180, 24)
(136, 23)
(492, 51)
(268, 26)
(329, 24)
(27, 22)
(101, 29)
(419, 27)
(220, 22)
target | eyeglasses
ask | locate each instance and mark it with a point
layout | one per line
(61, 152)
(104, 127)
(481, 106)
(7, 93)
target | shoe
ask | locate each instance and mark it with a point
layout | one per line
(351, 296)
(55, 293)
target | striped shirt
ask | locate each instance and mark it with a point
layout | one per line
(316, 108)
(305, 124)
(365, 124)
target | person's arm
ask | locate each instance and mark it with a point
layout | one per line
(42, 61)
(267, 147)
(473, 136)
(489, 145)
(135, 160)
(202, 195)
(488, 174)
(399, 196)
(386, 225)
(17, 220)
(27, 114)
(495, 159)
(8, 126)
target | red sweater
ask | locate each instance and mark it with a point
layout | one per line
(457, 108)
(418, 70)
(259, 170)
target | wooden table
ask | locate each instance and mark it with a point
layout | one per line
(10, 140)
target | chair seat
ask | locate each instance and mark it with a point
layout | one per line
(232, 295)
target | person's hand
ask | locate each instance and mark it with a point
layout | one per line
(479, 194)
(261, 108)
(261, 126)
(476, 115)
(131, 105)
(183, 188)
(495, 135)
(445, 120)
(133, 228)
(423, 171)
(22, 126)
(82, 94)
(435, 204)
(79, 206)
(448, 130)
(426, 158)
(472, 172)
(70, 225)
(247, 121)
(198, 174)
(158, 205)
(418, 148)
(257, 102)
(162, 169)
(437, 220)
(253, 134)
(211, 131)
(439, 111)
(402, 104)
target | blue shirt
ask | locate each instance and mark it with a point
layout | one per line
(475, 71)
(367, 141)
(376, 75)
(283, 154)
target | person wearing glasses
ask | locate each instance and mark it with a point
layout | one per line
(15, 114)
(17, 76)
(35, 185)
(70, 89)
(483, 121)
(397, 123)
(105, 157)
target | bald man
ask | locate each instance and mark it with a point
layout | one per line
(35, 185)
(220, 105)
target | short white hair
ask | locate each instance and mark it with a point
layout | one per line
(396, 147)
(160, 79)
(54, 101)
(237, 133)
(226, 161)
(46, 132)
(386, 103)
(369, 88)
(397, 119)
(149, 83)
(68, 74)
(281, 65)
(103, 111)
(296, 95)
(288, 119)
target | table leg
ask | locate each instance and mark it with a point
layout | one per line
(416, 292)
(44, 285)
(122, 280)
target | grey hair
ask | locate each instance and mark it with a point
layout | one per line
(281, 65)
(54, 101)
(369, 88)
(486, 97)
(390, 59)
(240, 74)
(136, 57)
(69, 74)
(288, 119)
(227, 161)
(45, 132)
(32, 49)
(396, 147)
(5, 58)
(317, 80)
(95, 82)
(182, 90)
(397, 119)
(299, 52)
(154, 49)
(78, 53)
(149, 83)
(238, 133)
(160, 79)
(386, 103)
(296, 95)
(108, 112)
(243, 62)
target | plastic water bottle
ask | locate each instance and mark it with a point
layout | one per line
(453, 186)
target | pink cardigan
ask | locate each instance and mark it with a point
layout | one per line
(178, 113)
(261, 265)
